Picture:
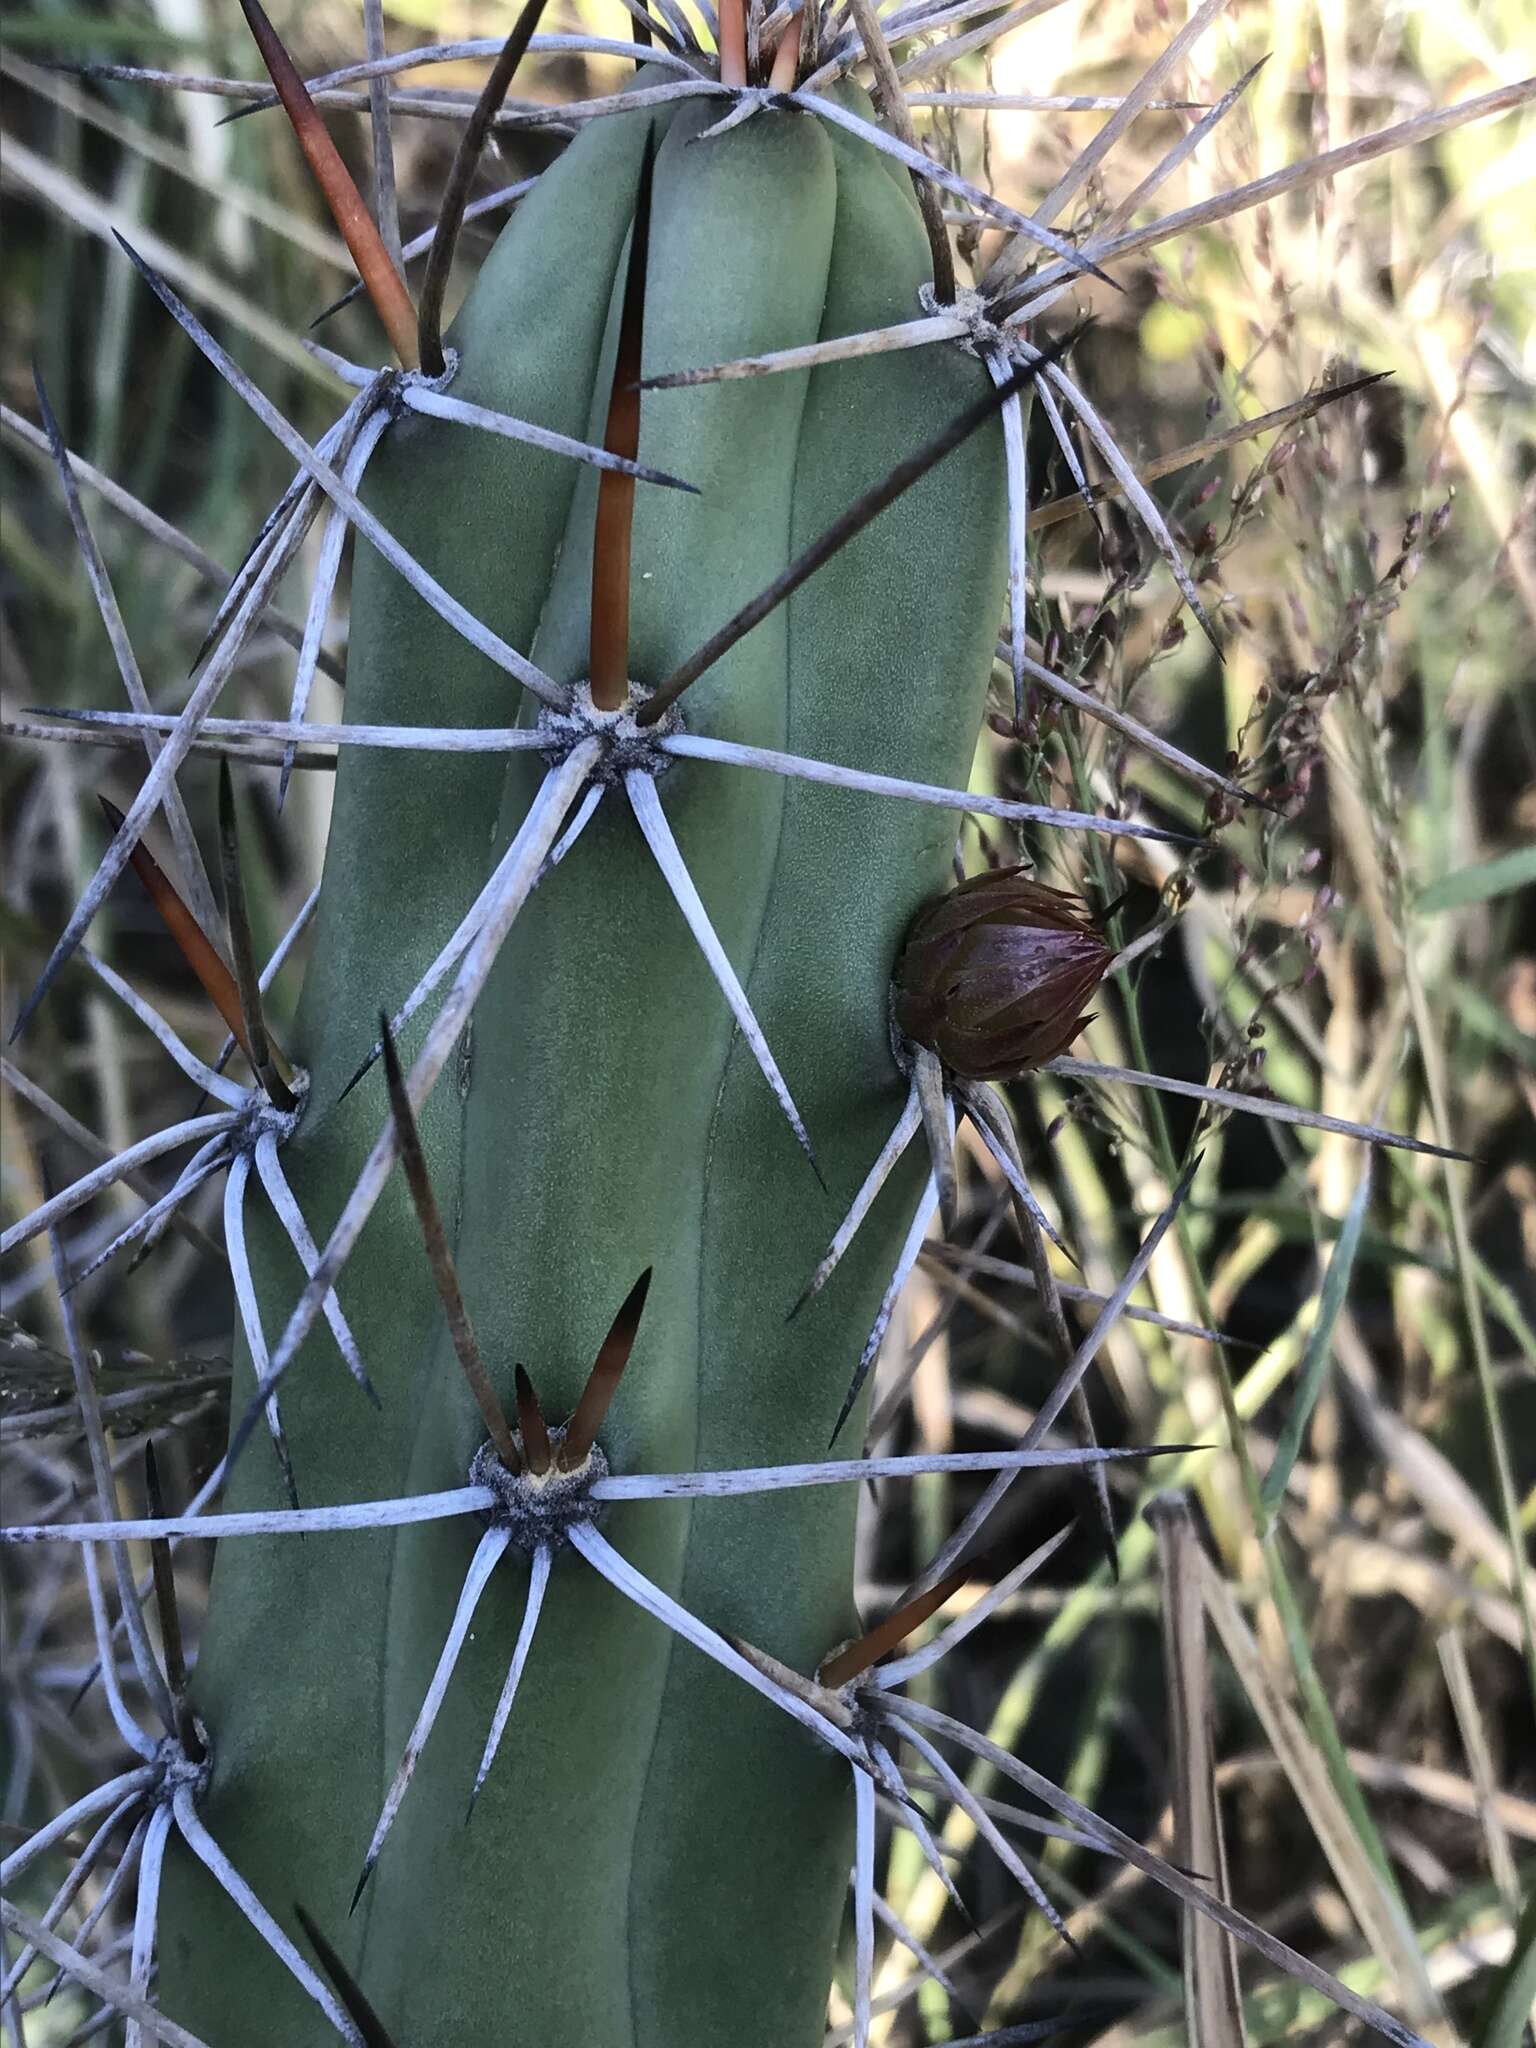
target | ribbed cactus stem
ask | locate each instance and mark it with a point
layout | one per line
(618, 1105)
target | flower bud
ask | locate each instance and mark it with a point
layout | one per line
(993, 977)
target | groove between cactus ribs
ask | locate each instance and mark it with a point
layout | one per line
(653, 1799)
(673, 1646)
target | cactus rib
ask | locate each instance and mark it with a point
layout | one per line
(896, 482)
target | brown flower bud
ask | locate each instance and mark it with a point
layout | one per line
(993, 977)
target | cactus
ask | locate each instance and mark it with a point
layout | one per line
(689, 539)
(606, 1125)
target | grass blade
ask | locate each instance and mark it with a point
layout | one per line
(1213, 2003)
(1314, 1365)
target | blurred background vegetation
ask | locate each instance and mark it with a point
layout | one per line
(1368, 946)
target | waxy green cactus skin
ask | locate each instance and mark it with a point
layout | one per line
(659, 1857)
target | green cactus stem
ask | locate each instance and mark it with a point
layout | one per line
(658, 1856)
